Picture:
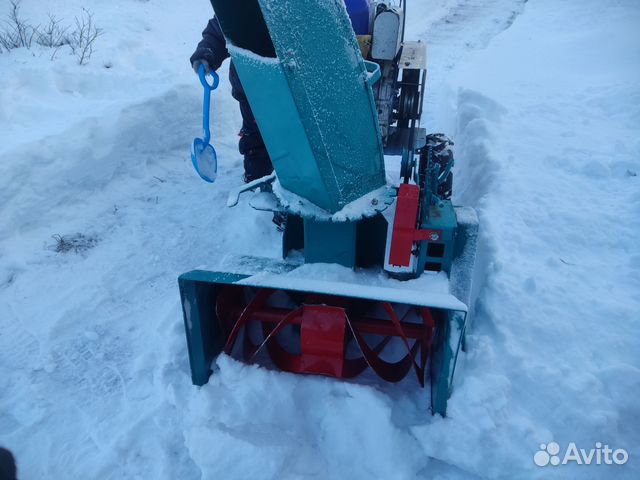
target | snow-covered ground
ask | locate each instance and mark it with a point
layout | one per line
(543, 101)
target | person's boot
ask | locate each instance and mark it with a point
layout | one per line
(257, 164)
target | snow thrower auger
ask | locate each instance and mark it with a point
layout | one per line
(375, 275)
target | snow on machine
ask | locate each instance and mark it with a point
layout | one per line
(376, 274)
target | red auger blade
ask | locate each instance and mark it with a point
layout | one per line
(325, 326)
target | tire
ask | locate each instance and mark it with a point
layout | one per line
(442, 153)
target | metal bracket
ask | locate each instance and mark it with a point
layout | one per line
(234, 195)
(414, 56)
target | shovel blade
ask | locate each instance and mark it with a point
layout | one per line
(205, 160)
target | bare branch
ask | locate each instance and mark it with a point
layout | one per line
(52, 34)
(18, 32)
(83, 38)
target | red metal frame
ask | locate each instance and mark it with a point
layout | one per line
(325, 331)
(405, 231)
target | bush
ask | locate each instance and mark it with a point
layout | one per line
(52, 35)
(19, 33)
(83, 37)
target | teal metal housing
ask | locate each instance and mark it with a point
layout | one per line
(310, 91)
(438, 256)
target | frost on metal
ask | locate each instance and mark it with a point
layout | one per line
(249, 55)
(366, 206)
(431, 289)
(327, 76)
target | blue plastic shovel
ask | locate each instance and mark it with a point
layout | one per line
(203, 155)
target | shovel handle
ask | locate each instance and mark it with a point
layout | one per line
(203, 78)
(207, 99)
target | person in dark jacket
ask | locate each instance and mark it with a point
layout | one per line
(211, 52)
(8, 470)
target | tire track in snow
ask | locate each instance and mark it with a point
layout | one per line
(454, 28)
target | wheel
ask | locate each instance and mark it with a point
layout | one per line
(442, 154)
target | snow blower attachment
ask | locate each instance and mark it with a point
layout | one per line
(374, 275)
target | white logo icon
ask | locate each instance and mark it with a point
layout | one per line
(548, 454)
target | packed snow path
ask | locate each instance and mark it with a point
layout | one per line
(92, 351)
